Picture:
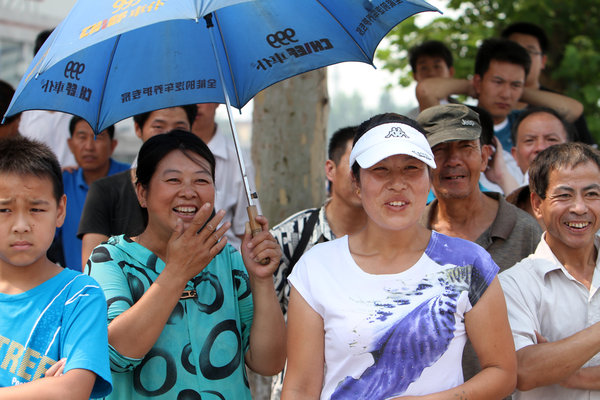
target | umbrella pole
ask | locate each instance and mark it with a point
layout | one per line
(250, 196)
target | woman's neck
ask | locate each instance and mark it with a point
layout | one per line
(154, 242)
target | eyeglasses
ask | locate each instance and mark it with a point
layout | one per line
(534, 52)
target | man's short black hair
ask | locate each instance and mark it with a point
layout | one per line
(504, 50)
(564, 155)
(430, 48)
(338, 142)
(190, 110)
(25, 157)
(40, 40)
(110, 129)
(569, 128)
(487, 126)
(527, 28)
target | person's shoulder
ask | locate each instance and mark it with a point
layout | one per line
(75, 283)
(524, 220)
(112, 180)
(455, 247)
(117, 166)
(70, 177)
(522, 274)
(328, 250)
(294, 219)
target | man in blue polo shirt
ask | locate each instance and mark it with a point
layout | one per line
(93, 158)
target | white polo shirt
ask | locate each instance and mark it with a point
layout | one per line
(229, 186)
(541, 295)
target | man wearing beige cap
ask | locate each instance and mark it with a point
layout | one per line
(461, 209)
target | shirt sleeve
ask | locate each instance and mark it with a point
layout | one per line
(521, 309)
(96, 214)
(300, 280)
(103, 267)
(483, 273)
(84, 336)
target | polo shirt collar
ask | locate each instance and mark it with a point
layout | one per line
(218, 145)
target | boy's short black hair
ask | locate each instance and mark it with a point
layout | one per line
(190, 110)
(504, 50)
(110, 129)
(430, 48)
(338, 142)
(527, 28)
(569, 128)
(22, 156)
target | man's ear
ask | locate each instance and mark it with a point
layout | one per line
(138, 130)
(113, 145)
(451, 71)
(70, 144)
(544, 60)
(486, 153)
(330, 169)
(477, 84)
(536, 205)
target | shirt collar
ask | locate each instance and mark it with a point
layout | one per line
(543, 252)
(218, 145)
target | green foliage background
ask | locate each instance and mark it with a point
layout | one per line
(573, 28)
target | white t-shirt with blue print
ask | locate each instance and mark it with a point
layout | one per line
(393, 334)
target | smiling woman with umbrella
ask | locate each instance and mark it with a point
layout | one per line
(385, 313)
(187, 313)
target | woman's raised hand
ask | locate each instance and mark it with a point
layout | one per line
(191, 249)
(260, 247)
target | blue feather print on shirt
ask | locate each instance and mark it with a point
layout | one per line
(412, 344)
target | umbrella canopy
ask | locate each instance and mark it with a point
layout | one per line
(255, 44)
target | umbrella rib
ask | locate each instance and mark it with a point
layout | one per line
(112, 57)
(367, 57)
(235, 91)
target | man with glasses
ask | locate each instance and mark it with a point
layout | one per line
(534, 40)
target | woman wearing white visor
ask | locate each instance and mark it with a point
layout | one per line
(385, 313)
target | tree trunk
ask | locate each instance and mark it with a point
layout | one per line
(289, 144)
(289, 131)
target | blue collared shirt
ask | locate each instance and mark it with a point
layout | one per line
(76, 190)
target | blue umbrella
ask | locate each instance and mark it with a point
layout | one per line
(226, 57)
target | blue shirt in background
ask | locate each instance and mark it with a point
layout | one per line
(76, 190)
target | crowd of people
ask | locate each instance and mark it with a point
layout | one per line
(454, 257)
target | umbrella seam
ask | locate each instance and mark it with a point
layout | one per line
(112, 57)
(235, 91)
(367, 57)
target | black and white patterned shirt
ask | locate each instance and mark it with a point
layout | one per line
(287, 234)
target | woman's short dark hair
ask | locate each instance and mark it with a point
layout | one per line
(377, 120)
(565, 155)
(159, 146)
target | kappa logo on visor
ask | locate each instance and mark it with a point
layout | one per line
(396, 132)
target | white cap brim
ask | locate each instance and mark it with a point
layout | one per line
(388, 140)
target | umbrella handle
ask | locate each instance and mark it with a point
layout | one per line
(255, 227)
